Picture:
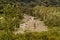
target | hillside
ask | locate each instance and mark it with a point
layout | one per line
(29, 19)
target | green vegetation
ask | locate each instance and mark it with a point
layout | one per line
(11, 15)
(50, 35)
(50, 15)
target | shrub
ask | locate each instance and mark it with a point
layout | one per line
(50, 15)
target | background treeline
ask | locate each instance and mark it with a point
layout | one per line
(35, 2)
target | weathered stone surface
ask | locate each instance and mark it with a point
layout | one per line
(31, 25)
